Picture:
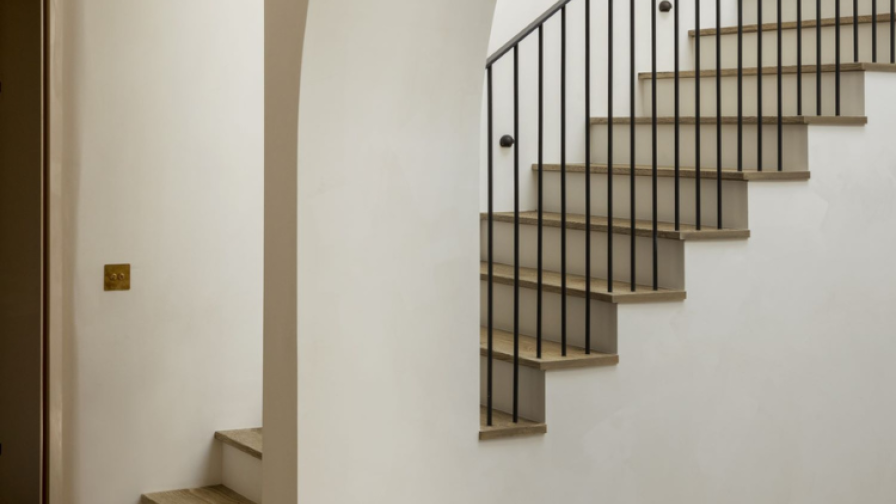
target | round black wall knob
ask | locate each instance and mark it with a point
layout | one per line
(507, 141)
(665, 6)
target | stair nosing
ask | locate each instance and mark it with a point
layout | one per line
(576, 357)
(234, 439)
(668, 171)
(773, 70)
(526, 428)
(771, 120)
(190, 496)
(792, 25)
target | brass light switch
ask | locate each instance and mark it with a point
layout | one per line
(117, 277)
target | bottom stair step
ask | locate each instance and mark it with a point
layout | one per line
(503, 426)
(219, 494)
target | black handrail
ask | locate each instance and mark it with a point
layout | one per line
(534, 25)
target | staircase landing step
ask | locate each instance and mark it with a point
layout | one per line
(772, 120)
(219, 494)
(644, 228)
(503, 426)
(668, 171)
(792, 25)
(773, 70)
(249, 441)
(551, 352)
(575, 286)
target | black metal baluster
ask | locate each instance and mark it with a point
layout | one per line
(563, 179)
(491, 262)
(837, 58)
(799, 57)
(874, 31)
(588, 178)
(678, 120)
(540, 187)
(818, 57)
(740, 85)
(892, 31)
(855, 30)
(656, 281)
(697, 113)
(632, 83)
(759, 74)
(516, 233)
(719, 113)
(780, 94)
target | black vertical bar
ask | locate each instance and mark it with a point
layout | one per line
(632, 83)
(740, 85)
(563, 179)
(656, 281)
(799, 57)
(874, 31)
(855, 30)
(516, 233)
(780, 94)
(588, 173)
(491, 255)
(892, 31)
(837, 58)
(697, 113)
(759, 74)
(818, 57)
(719, 112)
(540, 186)
(678, 118)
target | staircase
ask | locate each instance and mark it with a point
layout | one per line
(618, 229)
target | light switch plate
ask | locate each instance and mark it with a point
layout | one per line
(117, 277)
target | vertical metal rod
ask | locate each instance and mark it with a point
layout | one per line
(759, 75)
(874, 31)
(563, 179)
(540, 188)
(677, 101)
(855, 30)
(837, 58)
(656, 281)
(892, 31)
(588, 173)
(491, 246)
(516, 233)
(740, 85)
(818, 57)
(780, 160)
(697, 113)
(719, 113)
(799, 57)
(632, 83)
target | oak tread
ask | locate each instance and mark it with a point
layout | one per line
(218, 494)
(788, 120)
(791, 25)
(575, 286)
(249, 441)
(503, 426)
(668, 171)
(551, 352)
(665, 230)
(773, 70)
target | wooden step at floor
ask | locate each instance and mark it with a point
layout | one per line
(665, 230)
(792, 25)
(551, 352)
(219, 494)
(575, 286)
(690, 173)
(248, 441)
(771, 120)
(504, 427)
(773, 70)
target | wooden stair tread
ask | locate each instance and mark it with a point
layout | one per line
(551, 352)
(644, 228)
(773, 70)
(575, 286)
(792, 25)
(218, 494)
(249, 441)
(668, 171)
(788, 120)
(503, 426)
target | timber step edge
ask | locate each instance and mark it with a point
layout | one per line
(771, 120)
(773, 70)
(218, 494)
(690, 173)
(504, 427)
(551, 352)
(792, 25)
(249, 441)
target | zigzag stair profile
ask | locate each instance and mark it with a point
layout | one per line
(759, 117)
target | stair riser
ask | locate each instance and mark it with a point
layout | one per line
(852, 95)
(241, 473)
(603, 317)
(789, 44)
(734, 198)
(795, 154)
(789, 8)
(671, 254)
(531, 389)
